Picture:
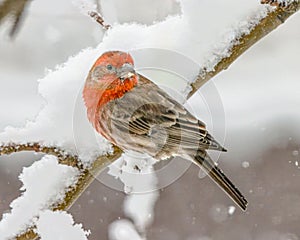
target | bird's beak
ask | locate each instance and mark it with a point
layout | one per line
(126, 71)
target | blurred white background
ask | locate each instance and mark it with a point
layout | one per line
(261, 97)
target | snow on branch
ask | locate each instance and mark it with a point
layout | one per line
(63, 156)
(39, 192)
(60, 225)
(242, 38)
(84, 179)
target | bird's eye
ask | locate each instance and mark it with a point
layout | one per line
(109, 67)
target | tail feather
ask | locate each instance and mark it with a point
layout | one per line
(209, 166)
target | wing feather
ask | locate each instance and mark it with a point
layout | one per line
(148, 114)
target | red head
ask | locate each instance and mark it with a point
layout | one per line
(111, 76)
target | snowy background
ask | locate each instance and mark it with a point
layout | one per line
(260, 93)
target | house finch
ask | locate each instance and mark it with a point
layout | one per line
(135, 114)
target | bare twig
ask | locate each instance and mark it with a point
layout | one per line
(99, 19)
(265, 26)
(15, 8)
(86, 178)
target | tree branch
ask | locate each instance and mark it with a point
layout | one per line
(99, 19)
(63, 156)
(86, 178)
(16, 8)
(265, 26)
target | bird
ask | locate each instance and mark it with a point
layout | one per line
(135, 114)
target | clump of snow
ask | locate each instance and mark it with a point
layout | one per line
(218, 213)
(137, 173)
(59, 225)
(231, 210)
(44, 184)
(140, 207)
(245, 164)
(123, 230)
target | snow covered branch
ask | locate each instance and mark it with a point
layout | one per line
(64, 157)
(241, 39)
(86, 177)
